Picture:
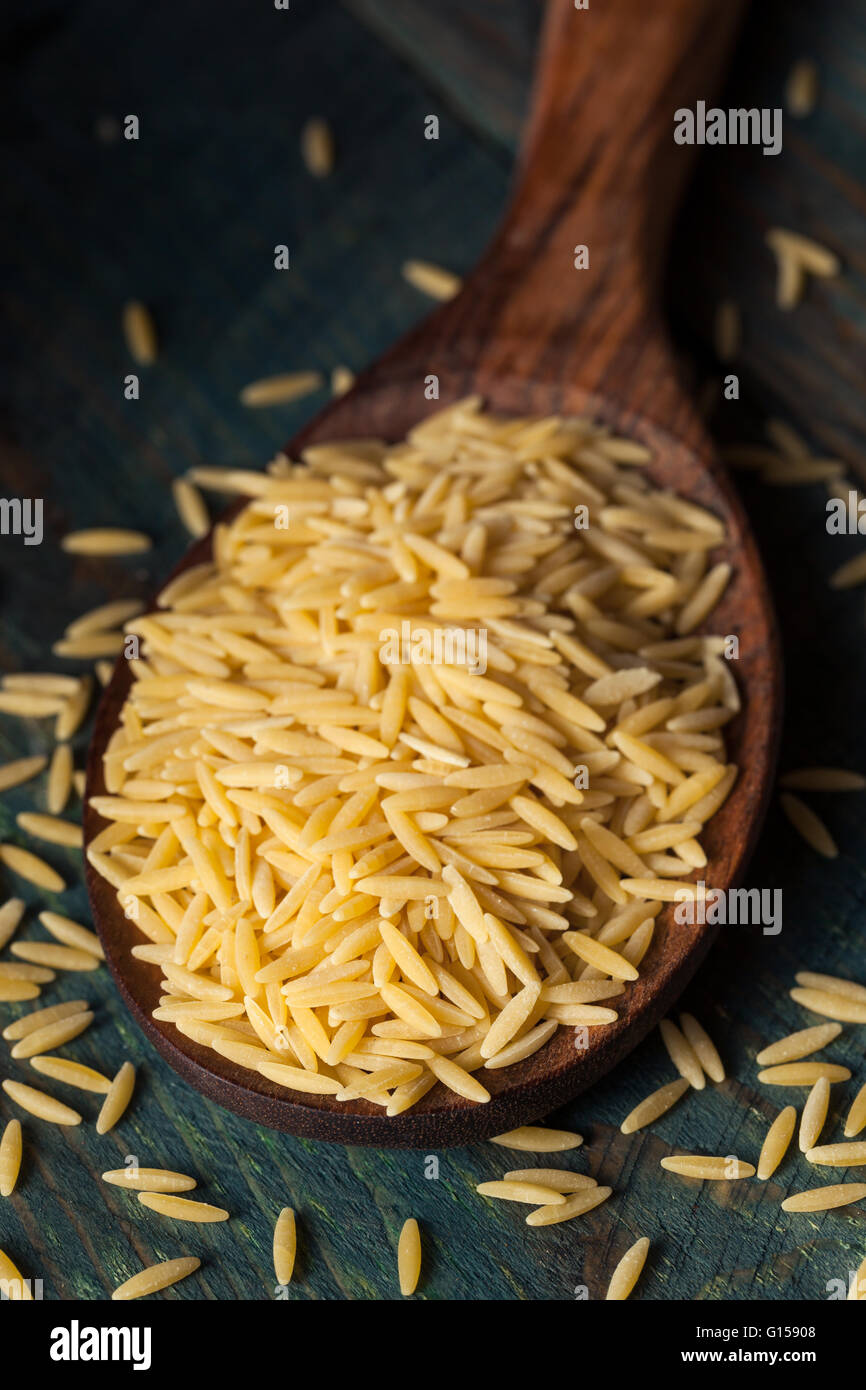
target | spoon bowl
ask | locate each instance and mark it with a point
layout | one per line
(533, 334)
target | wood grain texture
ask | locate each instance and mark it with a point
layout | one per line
(225, 318)
(531, 332)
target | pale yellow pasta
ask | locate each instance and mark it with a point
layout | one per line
(156, 1277)
(285, 1245)
(40, 1018)
(10, 1157)
(814, 1114)
(533, 1139)
(856, 1120)
(838, 1155)
(536, 1194)
(703, 1047)
(409, 1257)
(577, 1205)
(682, 1054)
(708, 1167)
(52, 1035)
(775, 1145)
(117, 1098)
(798, 1045)
(38, 1103)
(655, 1105)
(181, 1208)
(149, 1179)
(345, 790)
(628, 1271)
(802, 1073)
(825, 1198)
(15, 1287)
(30, 867)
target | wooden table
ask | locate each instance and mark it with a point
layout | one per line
(187, 218)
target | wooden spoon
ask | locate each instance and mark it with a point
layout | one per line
(533, 334)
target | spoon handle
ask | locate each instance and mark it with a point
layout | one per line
(599, 169)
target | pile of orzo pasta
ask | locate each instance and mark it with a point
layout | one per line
(407, 773)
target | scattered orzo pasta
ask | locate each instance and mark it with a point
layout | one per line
(14, 991)
(317, 147)
(105, 540)
(117, 1099)
(105, 617)
(577, 1205)
(409, 1257)
(156, 1277)
(279, 390)
(10, 1157)
(801, 88)
(10, 916)
(55, 957)
(628, 1271)
(42, 1105)
(59, 779)
(655, 1105)
(834, 984)
(50, 828)
(796, 257)
(53, 1035)
(560, 1179)
(181, 1208)
(856, 1121)
(139, 331)
(72, 934)
(838, 1155)
(775, 1145)
(285, 1245)
(800, 1044)
(149, 1179)
(432, 280)
(824, 779)
(810, 826)
(703, 1047)
(191, 507)
(30, 867)
(342, 380)
(824, 1198)
(72, 1073)
(708, 1167)
(15, 1287)
(831, 1004)
(814, 1114)
(29, 705)
(682, 1054)
(534, 1139)
(857, 1290)
(802, 1073)
(20, 770)
(535, 1194)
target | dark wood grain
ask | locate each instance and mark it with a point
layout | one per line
(532, 333)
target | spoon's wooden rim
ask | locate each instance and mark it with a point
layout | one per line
(529, 1090)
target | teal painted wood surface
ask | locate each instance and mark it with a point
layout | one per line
(187, 219)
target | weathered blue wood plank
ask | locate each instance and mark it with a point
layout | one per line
(188, 220)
